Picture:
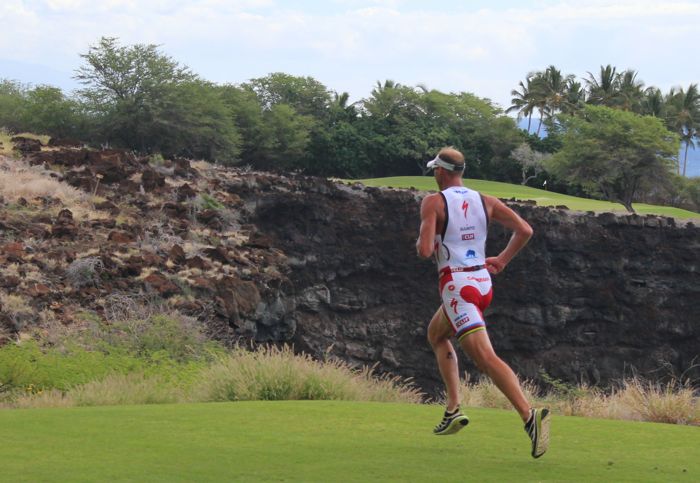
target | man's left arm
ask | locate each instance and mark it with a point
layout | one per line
(522, 232)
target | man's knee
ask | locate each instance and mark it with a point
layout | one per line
(435, 338)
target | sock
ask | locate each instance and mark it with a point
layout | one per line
(447, 413)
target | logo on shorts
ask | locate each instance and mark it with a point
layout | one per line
(453, 304)
(461, 320)
(478, 279)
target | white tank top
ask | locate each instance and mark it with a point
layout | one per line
(463, 240)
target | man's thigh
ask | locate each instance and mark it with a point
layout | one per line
(478, 346)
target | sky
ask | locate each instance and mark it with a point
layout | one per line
(482, 47)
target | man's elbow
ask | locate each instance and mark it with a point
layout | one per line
(527, 230)
(425, 252)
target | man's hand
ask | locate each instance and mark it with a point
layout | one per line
(494, 265)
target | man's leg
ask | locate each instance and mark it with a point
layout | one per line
(478, 346)
(439, 333)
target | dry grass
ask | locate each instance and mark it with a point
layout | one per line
(635, 399)
(273, 374)
(20, 180)
(7, 148)
(17, 309)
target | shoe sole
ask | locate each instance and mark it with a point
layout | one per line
(543, 436)
(455, 425)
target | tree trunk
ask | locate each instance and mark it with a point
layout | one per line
(529, 121)
(685, 158)
(628, 206)
(525, 180)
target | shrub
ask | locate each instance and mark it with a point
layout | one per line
(84, 271)
(17, 309)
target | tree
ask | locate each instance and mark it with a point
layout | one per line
(630, 92)
(613, 153)
(530, 161)
(604, 89)
(653, 103)
(193, 121)
(12, 106)
(48, 111)
(126, 88)
(306, 95)
(683, 116)
(523, 101)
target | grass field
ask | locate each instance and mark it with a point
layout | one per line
(329, 442)
(542, 197)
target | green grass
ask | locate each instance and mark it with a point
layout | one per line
(542, 197)
(329, 441)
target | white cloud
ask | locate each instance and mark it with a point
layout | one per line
(349, 44)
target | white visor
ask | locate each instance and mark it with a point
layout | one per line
(438, 161)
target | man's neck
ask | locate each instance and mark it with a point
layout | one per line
(450, 182)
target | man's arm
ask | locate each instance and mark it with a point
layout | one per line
(522, 232)
(425, 245)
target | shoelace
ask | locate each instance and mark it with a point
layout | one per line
(446, 420)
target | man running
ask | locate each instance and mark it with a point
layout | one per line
(454, 225)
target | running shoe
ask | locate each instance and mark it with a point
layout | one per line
(451, 423)
(537, 427)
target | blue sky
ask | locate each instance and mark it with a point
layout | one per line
(484, 47)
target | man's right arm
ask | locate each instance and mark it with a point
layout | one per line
(425, 245)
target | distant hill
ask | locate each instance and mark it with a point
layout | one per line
(692, 170)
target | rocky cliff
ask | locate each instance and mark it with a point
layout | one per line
(332, 269)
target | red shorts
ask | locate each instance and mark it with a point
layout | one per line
(465, 295)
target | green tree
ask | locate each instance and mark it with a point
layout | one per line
(48, 111)
(12, 106)
(653, 103)
(523, 101)
(604, 89)
(683, 117)
(306, 95)
(614, 154)
(193, 121)
(630, 92)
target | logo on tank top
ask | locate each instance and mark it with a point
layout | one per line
(453, 304)
(470, 254)
(467, 236)
(465, 207)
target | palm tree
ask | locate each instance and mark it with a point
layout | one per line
(575, 97)
(555, 85)
(539, 92)
(522, 101)
(684, 117)
(653, 102)
(630, 91)
(605, 89)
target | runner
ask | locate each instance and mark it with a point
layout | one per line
(453, 229)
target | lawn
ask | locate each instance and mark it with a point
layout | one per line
(542, 197)
(329, 442)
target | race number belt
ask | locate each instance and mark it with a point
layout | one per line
(474, 268)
